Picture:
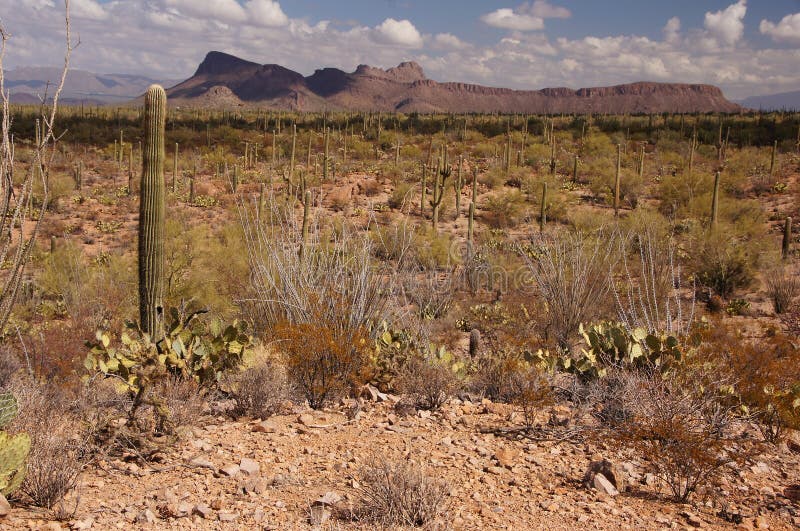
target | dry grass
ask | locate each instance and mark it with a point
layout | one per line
(401, 494)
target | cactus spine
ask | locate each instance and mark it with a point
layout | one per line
(715, 200)
(152, 212)
(616, 180)
(787, 238)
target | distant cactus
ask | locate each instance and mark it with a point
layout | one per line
(294, 147)
(575, 170)
(470, 225)
(79, 175)
(543, 208)
(458, 184)
(325, 159)
(424, 189)
(152, 213)
(235, 180)
(175, 168)
(787, 238)
(715, 200)
(772, 159)
(306, 215)
(474, 342)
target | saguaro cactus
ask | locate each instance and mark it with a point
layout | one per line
(787, 239)
(543, 208)
(152, 212)
(715, 200)
(772, 159)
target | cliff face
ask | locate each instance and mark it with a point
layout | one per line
(405, 88)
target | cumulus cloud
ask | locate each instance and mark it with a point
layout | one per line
(508, 19)
(787, 30)
(544, 9)
(448, 41)
(672, 29)
(266, 13)
(398, 32)
(228, 11)
(726, 25)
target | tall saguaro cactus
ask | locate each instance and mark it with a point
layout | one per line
(152, 213)
(616, 179)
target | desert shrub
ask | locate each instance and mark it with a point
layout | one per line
(509, 377)
(432, 294)
(400, 493)
(371, 188)
(722, 262)
(260, 391)
(493, 179)
(505, 209)
(394, 242)
(570, 273)
(783, 289)
(183, 400)
(603, 182)
(429, 380)
(764, 375)
(402, 195)
(323, 363)
(679, 430)
(434, 250)
(59, 451)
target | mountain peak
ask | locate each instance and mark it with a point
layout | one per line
(406, 72)
(216, 63)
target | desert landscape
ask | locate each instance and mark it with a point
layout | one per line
(367, 299)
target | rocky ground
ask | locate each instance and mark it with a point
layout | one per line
(302, 471)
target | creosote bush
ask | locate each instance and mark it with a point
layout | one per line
(428, 383)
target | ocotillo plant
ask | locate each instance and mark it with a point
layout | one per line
(616, 180)
(306, 211)
(543, 208)
(152, 212)
(787, 238)
(715, 200)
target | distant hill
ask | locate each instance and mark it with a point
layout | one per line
(28, 84)
(224, 80)
(785, 101)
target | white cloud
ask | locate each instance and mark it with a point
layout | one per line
(266, 13)
(508, 19)
(448, 41)
(398, 32)
(787, 30)
(544, 9)
(226, 11)
(38, 4)
(88, 9)
(726, 25)
(672, 29)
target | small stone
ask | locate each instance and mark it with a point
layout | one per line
(611, 472)
(792, 492)
(203, 510)
(692, 519)
(184, 509)
(424, 414)
(146, 517)
(226, 516)
(5, 507)
(202, 462)
(761, 523)
(601, 483)
(230, 470)
(760, 468)
(496, 470)
(329, 498)
(253, 486)
(507, 457)
(319, 515)
(86, 523)
(249, 467)
(306, 420)
(265, 426)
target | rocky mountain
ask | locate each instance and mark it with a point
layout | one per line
(28, 84)
(785, 101)
(224, 80)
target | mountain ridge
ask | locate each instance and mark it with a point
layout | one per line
(406, 88)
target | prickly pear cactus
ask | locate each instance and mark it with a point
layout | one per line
(8, 409)
(14, 451)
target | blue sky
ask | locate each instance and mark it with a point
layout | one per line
(746, 47)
